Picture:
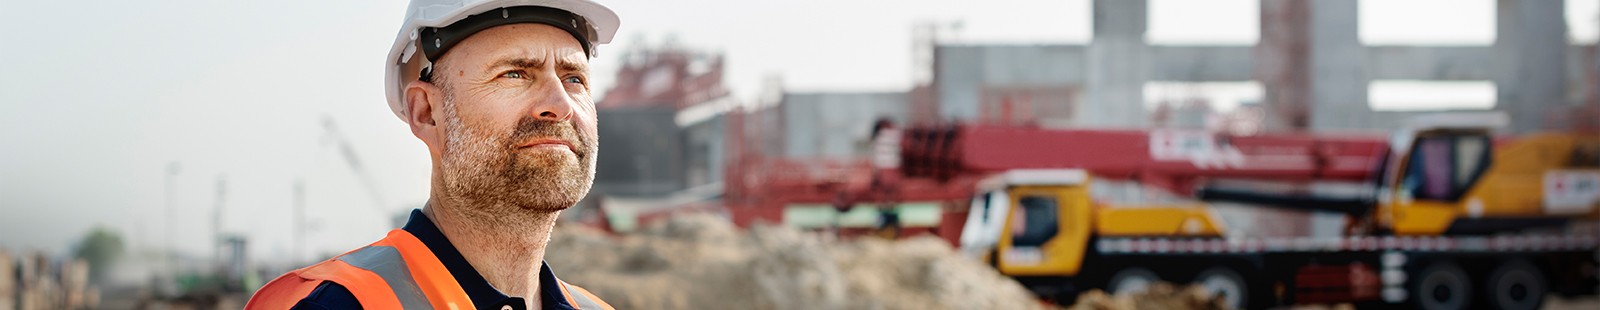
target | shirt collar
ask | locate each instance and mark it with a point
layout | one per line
(483, 295)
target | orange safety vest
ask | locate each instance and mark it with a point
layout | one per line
(398, 272)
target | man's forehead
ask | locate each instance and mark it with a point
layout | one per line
(536, 42)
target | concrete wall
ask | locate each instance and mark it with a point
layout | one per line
(641, 152)
(965, 73)
(704, 151)
(836, 125)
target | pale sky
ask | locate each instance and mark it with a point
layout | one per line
(98, 97)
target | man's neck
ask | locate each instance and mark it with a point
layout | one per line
(509, 253)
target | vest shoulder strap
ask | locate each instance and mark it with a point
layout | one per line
(427, 274)
(290, 288)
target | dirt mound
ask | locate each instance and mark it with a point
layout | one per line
(1157, 296)
(702, 262)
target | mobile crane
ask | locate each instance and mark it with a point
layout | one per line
(1456, 218)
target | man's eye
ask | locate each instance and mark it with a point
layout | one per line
(512, 74)
(573, 79)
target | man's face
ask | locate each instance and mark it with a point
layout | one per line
(519, 120)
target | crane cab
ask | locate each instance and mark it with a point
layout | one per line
(1448, 175)
(1039, 222)
(1030, 222)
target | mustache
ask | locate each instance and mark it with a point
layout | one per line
(529, 128)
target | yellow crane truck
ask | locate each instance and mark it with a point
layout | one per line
(1457, 218)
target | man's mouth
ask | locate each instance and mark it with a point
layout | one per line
(546, 143)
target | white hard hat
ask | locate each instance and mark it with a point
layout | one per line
(431, 27)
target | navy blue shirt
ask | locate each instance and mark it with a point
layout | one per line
(329, 295)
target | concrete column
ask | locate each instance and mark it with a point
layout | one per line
(1531, 62)
(1338, 70)
(1117, 66)
(1339, 84)
(1591, 78)
(1284, 67)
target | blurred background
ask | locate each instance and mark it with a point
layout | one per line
(155, 153)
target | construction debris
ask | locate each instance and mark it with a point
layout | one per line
(1157, 296)
(700, 261)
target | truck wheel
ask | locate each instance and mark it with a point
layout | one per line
(1226, 283)
(1515, 285)
(1442, 285)
(1131, 280)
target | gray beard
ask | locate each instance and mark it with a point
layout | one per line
(486, 178)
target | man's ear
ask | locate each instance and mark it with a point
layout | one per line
(422, 100)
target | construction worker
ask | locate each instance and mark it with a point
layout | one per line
(499, 92)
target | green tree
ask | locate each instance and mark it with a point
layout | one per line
(101, 247)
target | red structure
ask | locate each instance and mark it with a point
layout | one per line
(1175, 160)
(942, 163)
(667, 76)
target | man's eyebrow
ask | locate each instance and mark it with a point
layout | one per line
(518, 63)
(569, 64)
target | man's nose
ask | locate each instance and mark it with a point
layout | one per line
(551, 101)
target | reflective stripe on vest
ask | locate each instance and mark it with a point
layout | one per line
(385, 261)
(583, 299)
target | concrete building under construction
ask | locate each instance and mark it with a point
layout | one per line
(670, 125)
(1310, 62)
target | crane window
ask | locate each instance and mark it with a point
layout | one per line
(1444, 167)
(983, 203)
(1036, 221)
